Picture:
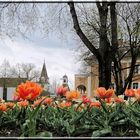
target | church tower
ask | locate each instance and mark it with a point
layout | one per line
(65, 81)
(44, 79)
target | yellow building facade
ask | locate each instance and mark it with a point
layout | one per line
(87, 83)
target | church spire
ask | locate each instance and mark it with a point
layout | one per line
(44, 76)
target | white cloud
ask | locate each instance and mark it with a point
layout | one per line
(59, 60)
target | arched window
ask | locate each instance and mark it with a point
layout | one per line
(81, 89)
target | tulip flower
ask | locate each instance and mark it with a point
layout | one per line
(23, 103)
(28, 91)
(61, 91)
(137, 94)
(103, 93)
(130, 92)
(95, 104)
(70, 95)
(3, 107)
(118, 100)
(85, 99)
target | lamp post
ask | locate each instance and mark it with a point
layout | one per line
(4, 89)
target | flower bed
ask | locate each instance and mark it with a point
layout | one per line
(68, 116)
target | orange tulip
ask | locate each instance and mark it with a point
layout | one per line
(109, 93)
(103, 93)
(37, 102)
(108, 100)
(68, 104)
(16, 97)
(65, 104)
(23, 103)
(70, 95)
(61, 91)
(137, 94)
(28, 90)
(85, 99)
(95, 104)
(48, 101)
(118, 100)
(130, 92)
(10, 104)
(62, 104)
(3, 107)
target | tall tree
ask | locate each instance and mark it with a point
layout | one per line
(5, 69)
(23, 70)
(126, 42)
(106, 48)
(21, 19)
(129, 15)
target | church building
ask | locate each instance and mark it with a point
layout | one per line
(8, 84)
(44, 79)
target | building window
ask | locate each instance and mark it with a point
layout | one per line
(81, 89)
(136, 70)
(135, 85)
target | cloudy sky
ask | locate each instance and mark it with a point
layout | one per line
(58, 51)
(59, 54)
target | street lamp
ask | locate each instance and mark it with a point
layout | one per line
(4, 89)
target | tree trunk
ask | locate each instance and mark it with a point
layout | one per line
(105, 59)
(105, 73)
(104, 53)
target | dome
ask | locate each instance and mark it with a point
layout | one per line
(65, 76)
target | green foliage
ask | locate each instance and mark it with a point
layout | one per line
(118, 120)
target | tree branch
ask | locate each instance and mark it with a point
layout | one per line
(114, 38)
(80, 32)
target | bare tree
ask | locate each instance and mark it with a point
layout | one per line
(99, 23)
(5, 73)
(5, 69)
(106, 48)
(129, 16)
(90, 28)
(21, 19)
(16, 71)
(27, 70)
(23, 70)
(35, 75)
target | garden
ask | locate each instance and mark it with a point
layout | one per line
(103, 36)
(69, 114)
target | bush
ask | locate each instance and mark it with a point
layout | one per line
(106, 115)
(76, 119)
